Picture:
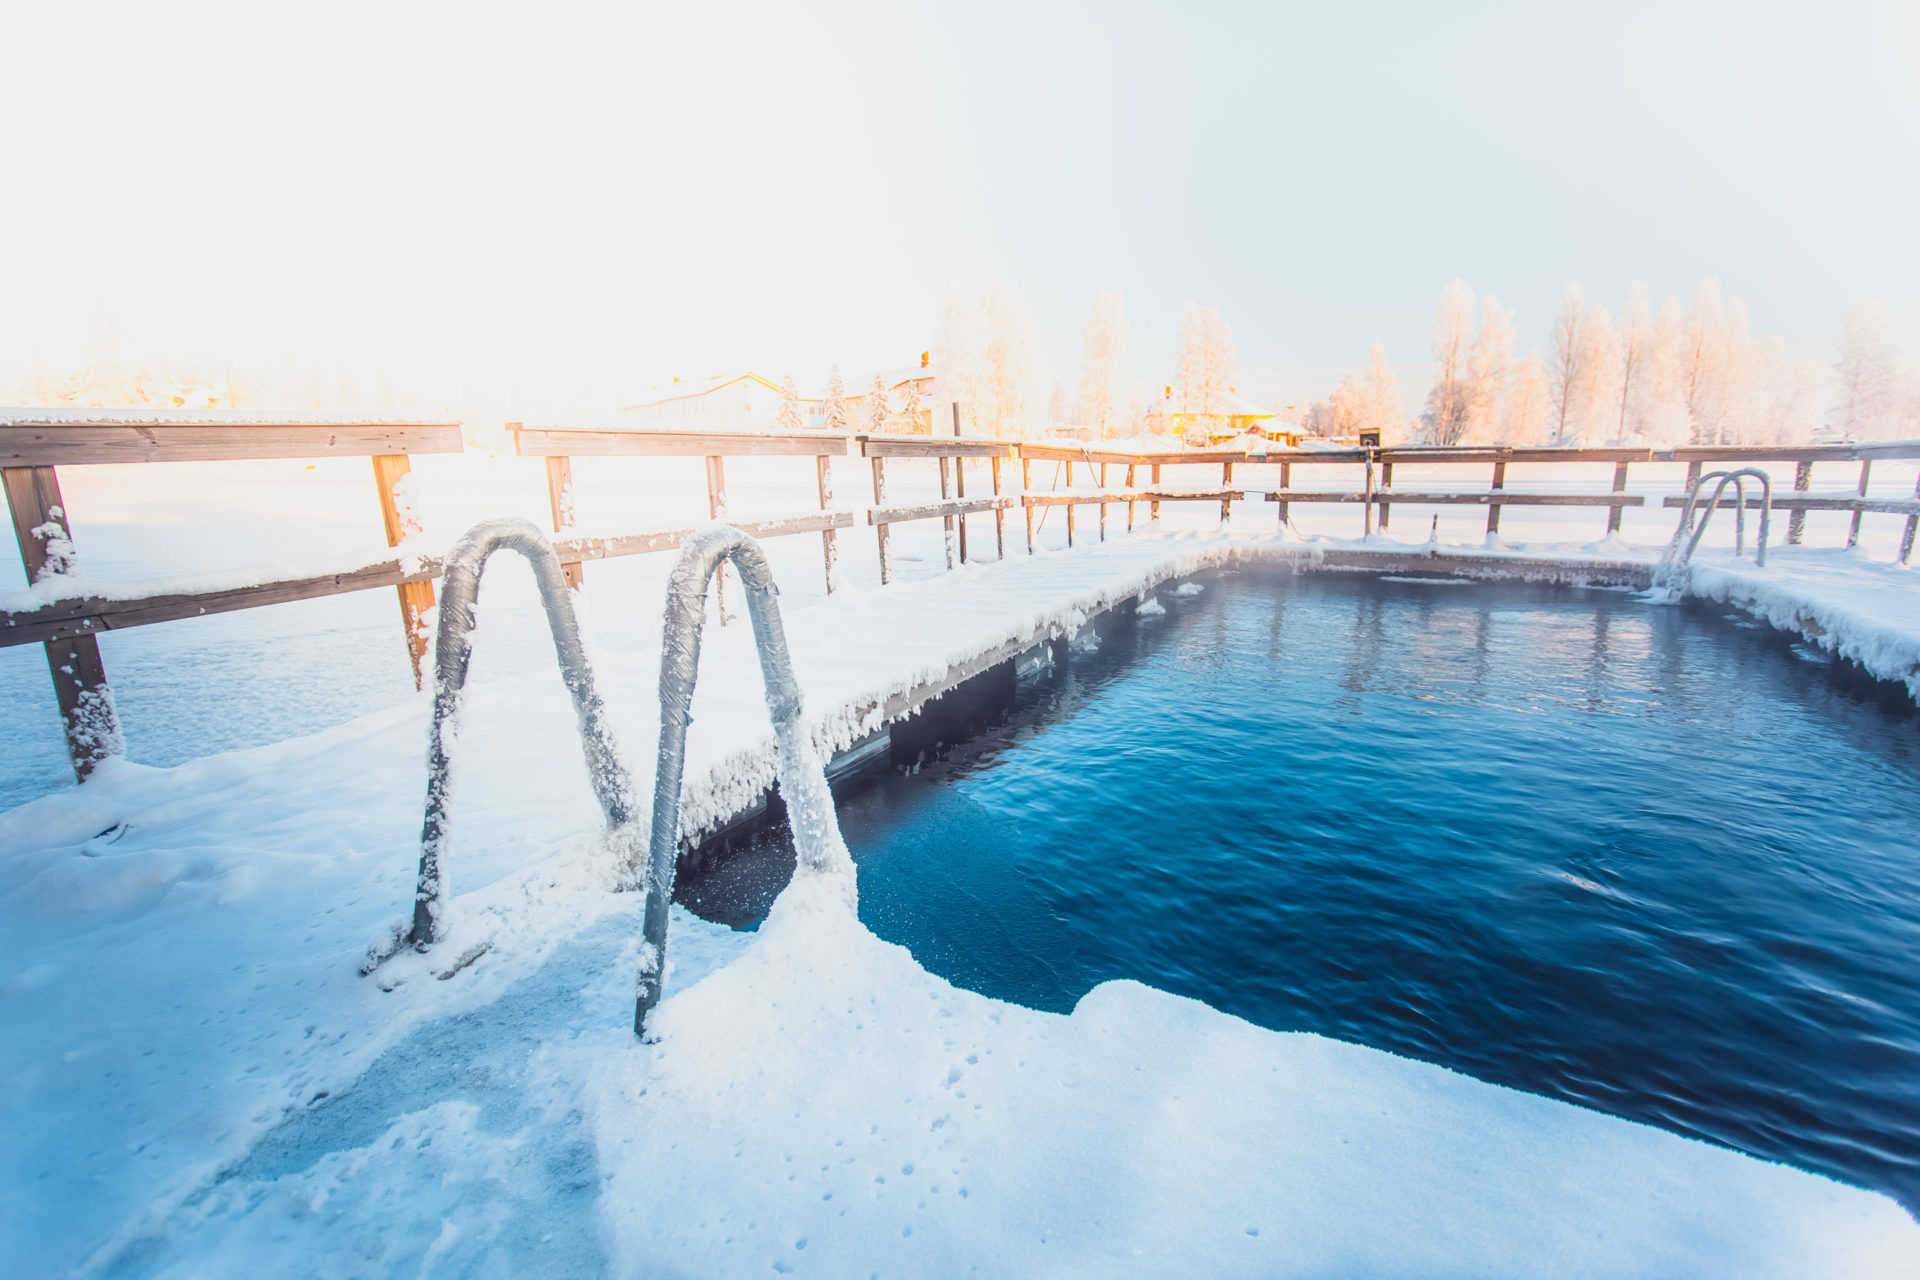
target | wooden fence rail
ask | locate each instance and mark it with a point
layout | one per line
(31, 451)
(1377, 500)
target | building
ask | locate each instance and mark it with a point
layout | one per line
(926, 385)
(1235, 415)
(740, 402)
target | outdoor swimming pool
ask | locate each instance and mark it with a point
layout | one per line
(1657, 861)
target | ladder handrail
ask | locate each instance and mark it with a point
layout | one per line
(1676, 560)
(803, 778)
(453, 654)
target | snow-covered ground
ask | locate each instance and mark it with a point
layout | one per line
(197, 1080)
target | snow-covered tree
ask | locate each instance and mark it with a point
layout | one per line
(1489, 368)
(910, 404)
(1013, 401)
(1581, 370)
(1529, 403)
(1666, 420)
(1382, 391)
(1103, 366)
(1867, 385)
(789, 419)
(1636, 359)
(1452, 336)
(1704, 370)
(834, 403)
(1209, 367)
(877, 412)
(960, 354)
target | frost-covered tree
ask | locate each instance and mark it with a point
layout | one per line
(1636, 357)
(834, 403)
(1446, 412)
(1866, 381)
(1103, 366)
(1382, 391)
(877, 412)
(1209, 367)
(1581, 371)
(960, 353)
(1666, 419)
(1704, 370)
(1529, 403)
(910, 404)
(1012, 400)
(1489, 368)
(789, 418)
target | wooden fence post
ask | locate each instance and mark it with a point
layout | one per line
(1153, 507)
(1797, 522)
(1866, 470)
(92, 728)
(1069, 504)
(1130, 467)
(1386, 485)
(717, 510)
(946, 521)
(1286, 483)
(1493, 508)
(1103, 502)
(1693, 474)
(1619, 486)
(828, 549)
(960, 491)
(401, 521)
(1026, 494)
(560, 502)
(1913, 522)
(1226, 482)
(880, 530)
(999, 515)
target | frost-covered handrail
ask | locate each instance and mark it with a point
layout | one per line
(1676, 560)
(803, 778)
(453, 653)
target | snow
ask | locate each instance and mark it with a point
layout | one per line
(197, 1080)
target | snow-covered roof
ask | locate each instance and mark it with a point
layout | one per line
(688, 388)
(1232, 404)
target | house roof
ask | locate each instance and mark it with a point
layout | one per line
(1231, 404)
(688, 389)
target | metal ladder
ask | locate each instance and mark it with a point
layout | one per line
(1669, 575)
(802, 774)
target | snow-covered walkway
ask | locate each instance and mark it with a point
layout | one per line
(197, 1080)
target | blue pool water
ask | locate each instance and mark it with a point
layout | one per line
(1655, 861)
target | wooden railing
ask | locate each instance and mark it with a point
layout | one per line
(950, 454)
(560, 445)
(67, 625)
(1377, 501)
(30, 453)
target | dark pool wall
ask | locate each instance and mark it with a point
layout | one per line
(1657, 861)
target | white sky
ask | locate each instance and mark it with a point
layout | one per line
(525, 208)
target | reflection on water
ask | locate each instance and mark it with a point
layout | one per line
(1633, 857)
